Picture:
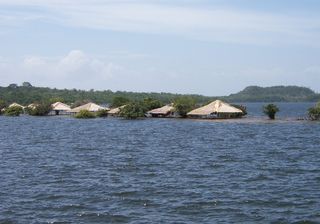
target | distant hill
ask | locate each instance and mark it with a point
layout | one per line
(274, 94)
(27, 94)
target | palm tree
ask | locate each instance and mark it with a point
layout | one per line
(270, 110)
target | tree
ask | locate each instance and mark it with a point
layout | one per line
(3, 105)
(150, 103)
(119, 101)
(13, 111)
(133, 110)
(26, 84)
(85, 114)
(314, 112)
(40, 109)
(102, 113)
(183, 105)
(270, 110)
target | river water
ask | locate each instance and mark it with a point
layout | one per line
(64, 170)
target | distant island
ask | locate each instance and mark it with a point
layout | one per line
(26, 94)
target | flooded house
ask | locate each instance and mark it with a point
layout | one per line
(216, 109)
(59, 108)
(165, 111)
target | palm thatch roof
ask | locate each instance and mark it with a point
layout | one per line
(92, 107)
(217, 106)
(32, 106)
(16, 105)
(162, 110)
(115, 110)
(60, 106)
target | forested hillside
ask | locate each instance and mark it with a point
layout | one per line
(26, 94)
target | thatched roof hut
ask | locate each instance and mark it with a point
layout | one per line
(92, 107)
(32, 106)
(218, 109)
(162, 111)
(115, 111)
(58, 106)
(16, 105)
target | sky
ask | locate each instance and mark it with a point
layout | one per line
(209, 47)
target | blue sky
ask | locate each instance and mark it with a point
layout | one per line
(214, 47)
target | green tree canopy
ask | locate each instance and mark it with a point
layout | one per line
(270, 110)
(119, 101)
(183, 105)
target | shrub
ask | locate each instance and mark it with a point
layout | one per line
(314, 112)
(183, 105)
(85, 114)
(133, 110)
(102, 113)
(13, 111)
(270, 110)
(2, 106)
(41, 109)
(150, 103)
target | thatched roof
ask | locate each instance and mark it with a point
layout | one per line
(217, 106)
(162, 110)
(115, 110)
(92, 107)
(16, 105)
(32, 106)
(60, 106)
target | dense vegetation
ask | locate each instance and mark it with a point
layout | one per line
(270, 110)
(27, 94)
(85, 114)
(314, 112)
(13, 111)
(40, 109)
(183, 105)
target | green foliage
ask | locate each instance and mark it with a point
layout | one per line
(183, 105)
(270, 110)
(26, 84)
(102, 113)
(3, 105)
(241, 107)
(150, 104)
(85, 114)
(119, 101)
(13, 111)
(56, 99)
(28, 95)
(133, 110)
(314, 112)
(40, 109)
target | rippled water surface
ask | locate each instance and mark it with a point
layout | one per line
(63, 170)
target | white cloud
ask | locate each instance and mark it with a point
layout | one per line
(204, 23)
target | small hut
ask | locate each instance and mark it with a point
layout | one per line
(115, 111)
(59, 108)
(92, 107)
(216, 109)
(165, 111)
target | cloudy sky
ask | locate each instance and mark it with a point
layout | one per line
(211, 47)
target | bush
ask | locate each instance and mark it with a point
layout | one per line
(2, 106)
(183, 105)
(314, 112)
(133, 110)
(270, 110)
(150, 104)
(102, 113)
(85, 114)
(41, 109)
(119, 101)
(13, 111)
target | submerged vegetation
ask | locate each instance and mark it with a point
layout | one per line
(13, 111)
(85, 114)
(39, 109)
(270, 110)
(314, 112)
(183, 105)
(102, 113)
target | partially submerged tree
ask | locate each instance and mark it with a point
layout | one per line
(102, 113)
(13, 111)
(271, 110)
(3, 105)
(183, 105)
(133, 110)
(314, 112)
(85, 114)
(39, 109)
